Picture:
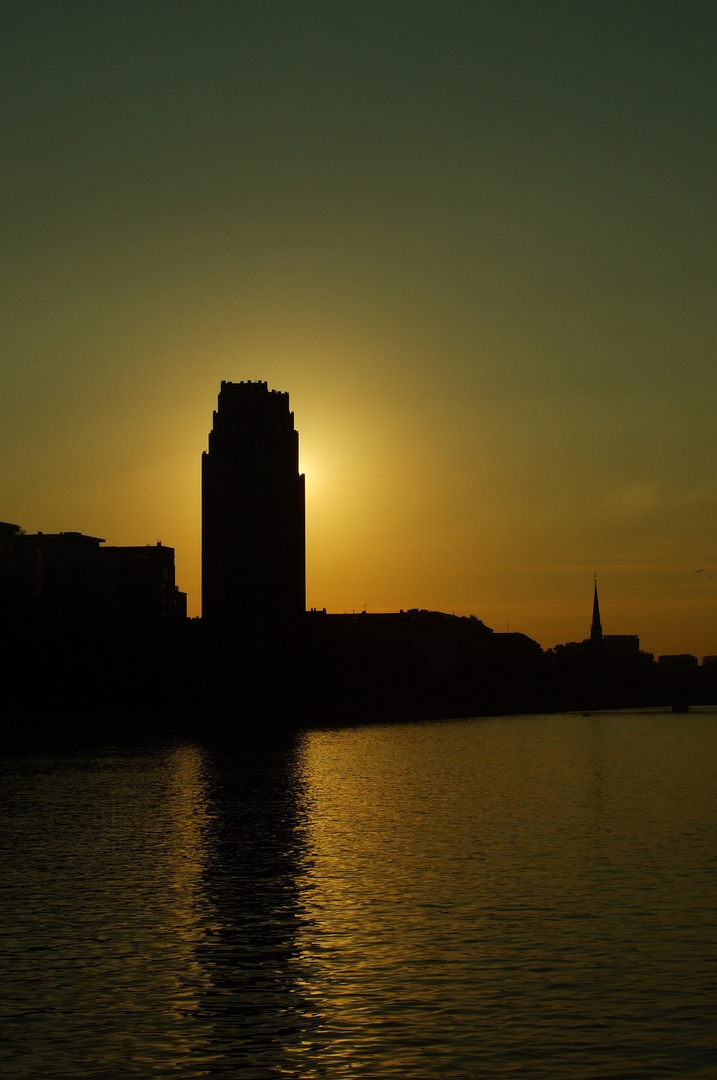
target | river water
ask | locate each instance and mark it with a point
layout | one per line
(506, 897)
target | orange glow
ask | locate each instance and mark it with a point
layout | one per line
(486, 283)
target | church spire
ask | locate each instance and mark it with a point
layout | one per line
(596, 628)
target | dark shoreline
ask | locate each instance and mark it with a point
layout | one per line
(186, 679)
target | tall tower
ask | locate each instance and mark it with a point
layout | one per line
(253, 512)
(596, 626)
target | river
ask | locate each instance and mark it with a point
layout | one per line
(528, 896)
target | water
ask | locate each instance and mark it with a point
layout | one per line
(510, 897)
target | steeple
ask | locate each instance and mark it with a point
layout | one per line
(596, 627)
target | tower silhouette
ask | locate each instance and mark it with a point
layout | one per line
(596, 626)
(253, 512)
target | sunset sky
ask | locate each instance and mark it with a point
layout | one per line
(473, 239)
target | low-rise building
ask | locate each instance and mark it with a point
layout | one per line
(70, 578)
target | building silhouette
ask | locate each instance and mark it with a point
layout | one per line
(68, 579)
(625, 645)
(596, 626)
(619, 645)
(253, 512)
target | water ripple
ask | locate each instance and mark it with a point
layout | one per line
(524, 897)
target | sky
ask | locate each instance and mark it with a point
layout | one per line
(473, 239)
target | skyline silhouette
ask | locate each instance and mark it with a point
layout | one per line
(411, 662)
(253, 557)
(475, 240)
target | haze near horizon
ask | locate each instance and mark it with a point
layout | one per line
(474, 242)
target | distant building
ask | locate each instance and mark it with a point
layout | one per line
(138, 584)
(621, 644)
(596, 625)
(678, 662)
(253, 511)
(67, 578)
(442, 640)
(624, 645)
